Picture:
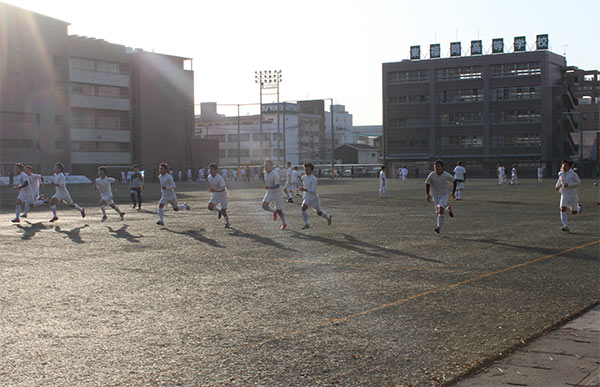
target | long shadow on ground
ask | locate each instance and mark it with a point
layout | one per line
(74, 234)
(34, 228)
(258, 239)
(122, 233)
(197, 235)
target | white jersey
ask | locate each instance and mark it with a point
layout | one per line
(272, 179)
(216, 183)
(289, 175)
(295, 176)
(439, 183)
(35, 180)
(104, 186)
(513, 172)
(404, 173)
(540, 172)
(310, 184)
(26, 191)
(382, 178)
(571, 179)
(167, 184)
(459, 172)
(60, 182)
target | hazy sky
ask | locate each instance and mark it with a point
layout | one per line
(326, 49)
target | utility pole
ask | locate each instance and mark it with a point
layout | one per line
(238, 135)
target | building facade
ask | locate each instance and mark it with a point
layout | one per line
(483, 109)
(86, 102)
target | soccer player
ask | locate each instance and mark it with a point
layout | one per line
(21, 183)
(567, 184)
(382, 183)
(514, 179)
(501, 174)
(311, 198)
(540, 173)
(460, 176)
(437, 184)
(167, 187)
(216, 185)
(35, 180)
(404, 174)
(136, 185)
(102, 184)
(273, 194)
(189, 175)
(62, 194)
(288, 189)
(200, 174)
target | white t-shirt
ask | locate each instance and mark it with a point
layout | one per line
(382, 178)
(272, 179)
(540, 171)
(60, 183)
(459, 172)
(34, 180)
(572, 180)
(216, 183)
(20, 180)
(439, 183)
(514, 172)
(289, 176)
(167, 182)
(310, 183)
(295, 176)
(104, 185)
(404, 172)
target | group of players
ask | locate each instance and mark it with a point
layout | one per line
(436, 185)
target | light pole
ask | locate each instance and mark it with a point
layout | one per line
(269, 79)
(332, 139)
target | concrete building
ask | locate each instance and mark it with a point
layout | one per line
(342, 121)
(483, 109)
(86, 102)
(366, 134)
(357, 154)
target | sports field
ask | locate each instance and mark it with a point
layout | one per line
(377, 298)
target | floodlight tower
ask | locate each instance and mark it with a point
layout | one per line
(269, 79)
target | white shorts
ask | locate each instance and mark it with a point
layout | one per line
(569, 201)
(274, 196)
(220, 197)
(442, 201)
(22, 196)
(168, 198)
(312, 202)
(108, 199)
(64, 197)
(460, 185)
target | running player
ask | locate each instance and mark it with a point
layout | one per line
(311, 198)
(136, 185)
(216, 185)
(514, 179)
(62, 194)
(382, 184)
(501, 174)
(167, 187)
(34, 180)
(273, 194)
(460, 176)
(288, 189)
(296, 180)
(437, 184)
(540, 173)
(567, 184)
(22, 185)
(404, 174)
(102, 184)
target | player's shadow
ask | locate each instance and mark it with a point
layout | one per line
(492, 241)
(122, 233)
(258, 239)
(366, 248)
(34, 228)
(197, 235)
(73, 234)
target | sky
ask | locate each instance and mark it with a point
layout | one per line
(325, 49)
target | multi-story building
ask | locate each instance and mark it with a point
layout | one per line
(483, 109)
(86, 102)
(342, 121)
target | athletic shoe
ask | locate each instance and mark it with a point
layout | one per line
(160, 223)
(134, 206)
(565, 229)
(24, 216)
(16, 220)
(450, 212)
(290, 200)
(274, 216)
(305, 227)
(227, 225)
(437, 230)
(139, 208)
(104, 218)
(122, 215)
(329, 220)
(54, 219)
(83, 212)
(187, 206)
(284, 226)
(219, 214)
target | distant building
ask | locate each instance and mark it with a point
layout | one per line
(357, 154)
(86, 102)
(342, 121)
(483, 109)
(366, 134)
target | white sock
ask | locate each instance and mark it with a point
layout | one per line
(282, 217)
(578, 209)
(459, 194)
(181, 207)
(116, 208)
(53, 208)
(103, 210)
(269, 209)
(226, 218)
(26, 208)
(563, 218)
(77, 207)
(161, 213)
(18, 210)
(38, 203)
(305, 217)
(440, 221)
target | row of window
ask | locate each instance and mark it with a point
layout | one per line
(98, 90)
(461, 118)
(98, 65)
(525, 115)
(231, 153)
(413, 143)
(466, 72)
(462, 95)
(99, 121)
(515, 93)
(88, 146)
(460, 142)
(408, 99)
(522, 140)
(245, 137)
(408, 122)
(473, 95)
(468, 118)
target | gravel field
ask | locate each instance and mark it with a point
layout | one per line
(377, 298)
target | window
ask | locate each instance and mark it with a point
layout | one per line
(222, 153)
(515, 69)
(520, 140)
(408, 76)
(108, 67)
(94, 146)
(79, 120)
(256, 136)
(232, 153)
(408, 122)
(462, 118)
(461, 142)
(462, 95)
(515, 93)
(516, 116)
(408, 99)
(459, 73)
(80, 63)
(220, 137)
(108, 122)
(16, 143)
